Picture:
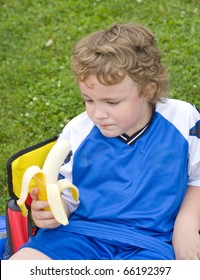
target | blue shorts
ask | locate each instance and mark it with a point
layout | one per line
(62, 245)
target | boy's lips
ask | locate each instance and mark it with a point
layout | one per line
(104, 125)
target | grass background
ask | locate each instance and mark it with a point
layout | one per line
(38, 95)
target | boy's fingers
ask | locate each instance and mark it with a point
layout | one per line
(38, 205)
(34, 193)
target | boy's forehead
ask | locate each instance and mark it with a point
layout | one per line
(91, 81)
(93, 87)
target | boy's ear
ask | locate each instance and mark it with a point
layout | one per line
(149, 91)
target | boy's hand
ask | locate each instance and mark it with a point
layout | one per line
(187, 244)
(42, 219)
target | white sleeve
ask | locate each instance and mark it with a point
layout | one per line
(74, 132)
(66, 171)
(194, 150)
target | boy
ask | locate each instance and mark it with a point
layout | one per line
(135, 159)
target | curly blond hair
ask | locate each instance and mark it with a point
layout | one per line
(123, 49)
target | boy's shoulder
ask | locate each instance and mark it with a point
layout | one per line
(174, 104)
(181, 114)
(174, 107)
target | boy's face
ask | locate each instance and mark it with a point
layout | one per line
(115, 109)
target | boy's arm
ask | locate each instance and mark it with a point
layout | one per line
(186, 235)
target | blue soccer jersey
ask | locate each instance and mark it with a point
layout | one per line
(131, 188)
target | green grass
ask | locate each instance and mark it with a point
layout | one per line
(37, 90)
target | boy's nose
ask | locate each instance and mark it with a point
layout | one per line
(100, 112)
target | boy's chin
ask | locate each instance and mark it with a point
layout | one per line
(109, 134)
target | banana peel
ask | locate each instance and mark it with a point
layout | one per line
(46, 179)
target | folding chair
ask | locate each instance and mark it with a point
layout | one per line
(18, 227)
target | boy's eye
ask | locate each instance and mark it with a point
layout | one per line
(88, 101)
(113, 102)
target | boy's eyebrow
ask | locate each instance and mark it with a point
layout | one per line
(84, 95)
(103, 99)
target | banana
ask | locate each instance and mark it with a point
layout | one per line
(46, 179)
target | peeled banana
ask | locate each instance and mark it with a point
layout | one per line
(46, 179)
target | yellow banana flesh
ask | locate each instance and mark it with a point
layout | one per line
(46, 179)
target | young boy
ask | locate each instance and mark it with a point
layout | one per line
(135, 159)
